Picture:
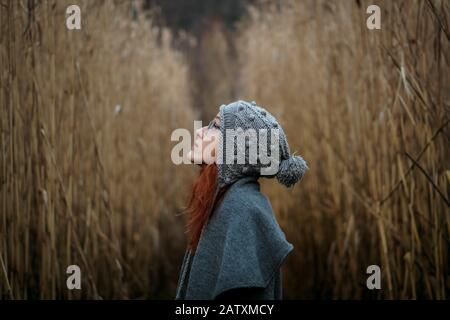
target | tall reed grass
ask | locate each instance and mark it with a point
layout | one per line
(86, 176)
(369, 110)
(85, 124)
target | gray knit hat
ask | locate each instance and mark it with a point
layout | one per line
(256, 143)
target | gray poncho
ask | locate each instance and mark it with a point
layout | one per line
(241, 246)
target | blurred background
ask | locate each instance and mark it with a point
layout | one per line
(86, 117)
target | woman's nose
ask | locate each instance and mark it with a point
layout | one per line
(200, 132)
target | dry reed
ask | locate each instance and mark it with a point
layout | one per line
(85, 123)
(369, 110)
(86, 176)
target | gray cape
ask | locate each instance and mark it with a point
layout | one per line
(241, 246)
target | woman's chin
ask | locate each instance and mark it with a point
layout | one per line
(198, 159)
(193, 158)
(209, 161)
(189, 156)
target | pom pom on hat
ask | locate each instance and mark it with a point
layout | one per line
(291, 170)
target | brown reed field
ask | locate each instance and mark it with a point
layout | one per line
(86, 117)
(370, 111)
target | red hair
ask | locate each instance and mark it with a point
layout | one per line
(201, 199)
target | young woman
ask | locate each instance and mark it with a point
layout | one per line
(236, 246)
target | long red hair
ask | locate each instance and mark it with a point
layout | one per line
(201, 199)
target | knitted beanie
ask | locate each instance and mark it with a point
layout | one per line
(256, 145)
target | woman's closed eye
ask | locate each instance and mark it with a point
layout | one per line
(213, 124)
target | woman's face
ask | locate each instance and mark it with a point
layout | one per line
(205, 143)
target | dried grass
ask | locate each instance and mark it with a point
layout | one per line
(369, 110)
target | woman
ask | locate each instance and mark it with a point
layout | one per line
(236, 246)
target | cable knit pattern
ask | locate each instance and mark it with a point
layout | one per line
(244, 116)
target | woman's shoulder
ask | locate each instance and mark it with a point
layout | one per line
(246, 198)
